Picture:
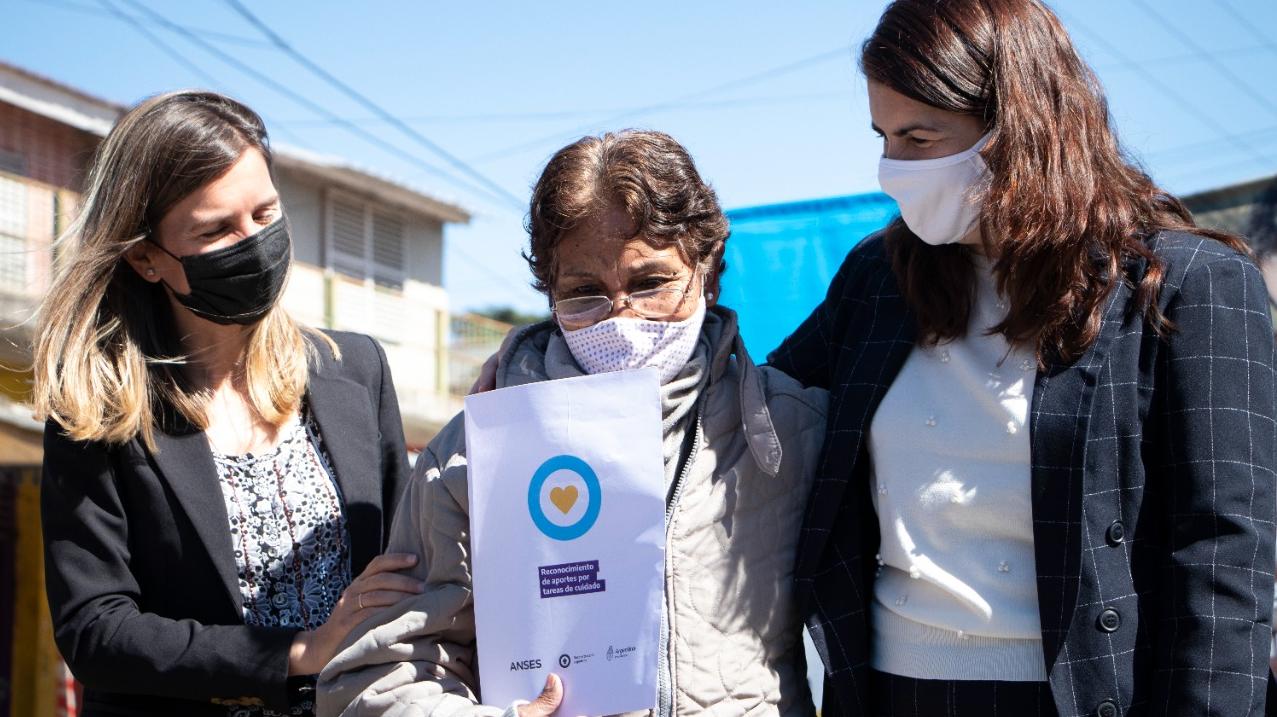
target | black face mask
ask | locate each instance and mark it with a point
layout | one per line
(239, 283)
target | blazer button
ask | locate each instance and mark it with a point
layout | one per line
(1116, 533)
(1110, 620)
(1107, 708)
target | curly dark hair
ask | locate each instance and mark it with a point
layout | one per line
(647, 174)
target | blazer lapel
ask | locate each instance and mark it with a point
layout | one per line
(185, 463)
(344, 413)
(1063, 395)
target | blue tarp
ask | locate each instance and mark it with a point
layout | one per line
(781, 258)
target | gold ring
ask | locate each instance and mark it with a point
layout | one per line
(360, 601)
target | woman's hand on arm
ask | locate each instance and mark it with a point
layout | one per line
(417, 656)
(380, 585)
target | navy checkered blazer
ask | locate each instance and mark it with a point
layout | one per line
(1152, 481)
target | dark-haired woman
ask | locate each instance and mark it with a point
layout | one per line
(214, 473)
(1047, 485)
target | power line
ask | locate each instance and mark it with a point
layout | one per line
(1264, 40)
(1264, 134)
(841, 51)
(1154, 80)
(1214, 166)
(385, 116)
(508, 117)
(376, 109)
(303, 100)
(89, 10)
(570, 114)
(373, 139)
(1220, 67)
(154, 39)
(176, 56)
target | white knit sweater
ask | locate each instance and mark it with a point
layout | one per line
(956, 594)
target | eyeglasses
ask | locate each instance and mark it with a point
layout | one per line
(581, 311)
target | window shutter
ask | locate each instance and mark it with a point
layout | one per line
(388, 249)
(348, 238)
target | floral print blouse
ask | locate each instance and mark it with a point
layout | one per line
(292, 550)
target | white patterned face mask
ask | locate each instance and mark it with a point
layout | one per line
(623, 343)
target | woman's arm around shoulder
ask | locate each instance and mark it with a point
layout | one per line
(809, 353)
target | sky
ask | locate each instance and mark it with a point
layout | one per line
(765, 95)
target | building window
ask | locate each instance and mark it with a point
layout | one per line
(366, 241)
(12, 162)
(14, 253)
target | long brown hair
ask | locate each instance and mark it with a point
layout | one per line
(1065, 208)
(107, 364)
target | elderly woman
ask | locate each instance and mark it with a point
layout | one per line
(627, 243)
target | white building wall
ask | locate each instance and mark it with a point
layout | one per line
(304, 204)
(410, 322)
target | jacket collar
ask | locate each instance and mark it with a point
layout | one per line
(343, 411)
(536, 354)
(184, 461)
(348, 425)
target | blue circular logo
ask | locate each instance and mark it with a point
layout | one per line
(593, 490)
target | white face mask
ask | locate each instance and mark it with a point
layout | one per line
(936, 196)
(625, 343)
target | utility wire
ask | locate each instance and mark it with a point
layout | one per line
(1265, 41)
(90, 10)
(510, 117)
(841, 51)
(177, 56)
(376, 109)
(1157, 82)
(493, 188)
(1213, 61)
(1264, 135)
(154, 39)
(304, 101)
(573, 114)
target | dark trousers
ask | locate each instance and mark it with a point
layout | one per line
(896, 696)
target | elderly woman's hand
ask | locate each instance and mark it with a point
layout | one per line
(547, 702)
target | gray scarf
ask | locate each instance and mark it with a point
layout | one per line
(679, 395)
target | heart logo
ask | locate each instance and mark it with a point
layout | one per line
(564, 498)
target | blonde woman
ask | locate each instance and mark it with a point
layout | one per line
(214, 473)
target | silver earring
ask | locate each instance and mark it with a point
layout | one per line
(710, 296)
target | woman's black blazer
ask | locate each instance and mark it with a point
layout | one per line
(140, 570)
(1152, 488)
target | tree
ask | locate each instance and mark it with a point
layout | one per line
(511, 315)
